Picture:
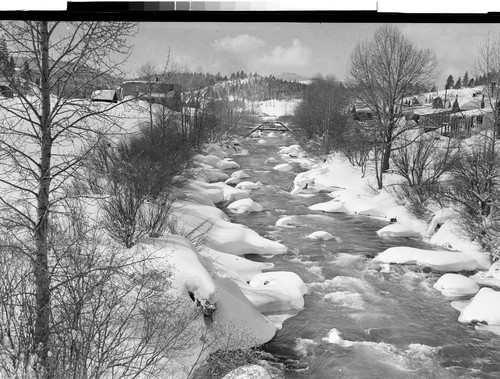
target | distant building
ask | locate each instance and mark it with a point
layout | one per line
(156, 92)
(105, 95)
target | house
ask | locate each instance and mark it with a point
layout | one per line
(155, 92)
(431, 118)
(464, 122)
(105, 96)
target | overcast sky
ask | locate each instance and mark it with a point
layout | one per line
(302, 48)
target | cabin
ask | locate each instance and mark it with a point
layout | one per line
(105, 96)
(465, 122)
(431, 118)
(167, 94)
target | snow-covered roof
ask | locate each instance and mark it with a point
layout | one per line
(473, 112)
(423, 111)
(104, 95)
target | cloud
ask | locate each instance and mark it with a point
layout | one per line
(296, 55)
(241, 44)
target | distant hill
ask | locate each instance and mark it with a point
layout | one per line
(291, 77)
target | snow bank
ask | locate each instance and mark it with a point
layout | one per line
(451, 235)
(248, 372)
(321, 235)
(236, 314)
(440, 260)
(455, 286)
(211, 227)
(189, 276)
(244, 206)
(244, 268)
(489, 278)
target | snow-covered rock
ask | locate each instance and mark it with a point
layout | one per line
(332, 206)
(240, 174)
(232, 181)
(484, 307)
(271, 160)
(227, 164)
(285, 167)
(248, 186)
(398, 230)
(455, 286)
(335, 338)
(211, 160)
(229, 193)
(440, 260)
(292, 151)
(286, 222)
(214, 149)
(275, 291)
(244, 206)
(248, 372)
(321, 235)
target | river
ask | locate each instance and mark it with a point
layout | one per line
(388, 324)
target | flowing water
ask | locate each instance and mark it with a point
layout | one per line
(387, 324)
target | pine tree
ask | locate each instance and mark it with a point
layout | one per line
(471, 82)
(466, 79)
(4, 54)
(11, 68)
(449, 82)
(26, 73)
(458, 83)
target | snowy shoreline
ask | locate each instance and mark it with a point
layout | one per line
(354, 193)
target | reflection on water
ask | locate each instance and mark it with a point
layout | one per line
(361, 320)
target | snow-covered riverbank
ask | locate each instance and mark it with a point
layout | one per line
(354, 193)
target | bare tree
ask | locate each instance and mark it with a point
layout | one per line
(40, 134)
(382, 73)
(322, 113)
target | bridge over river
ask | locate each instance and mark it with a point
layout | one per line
(269, 126)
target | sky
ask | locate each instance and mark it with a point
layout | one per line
(303, 48)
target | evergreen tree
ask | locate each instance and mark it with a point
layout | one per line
(11, 68)
(466, 79)
(4, 54)
(449, 82)
(471, 82)
(458, 83)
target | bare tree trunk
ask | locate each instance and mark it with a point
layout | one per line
(386, 157)
(42, 276)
